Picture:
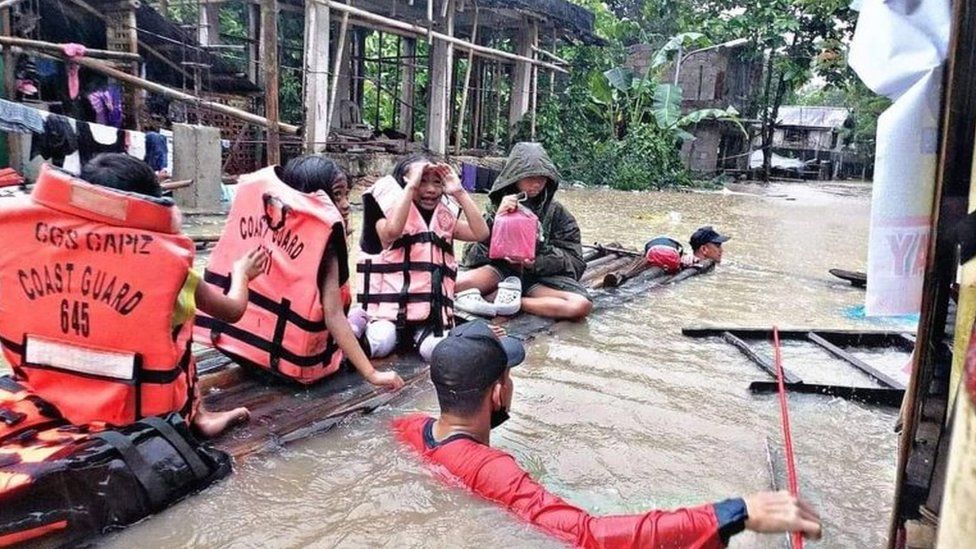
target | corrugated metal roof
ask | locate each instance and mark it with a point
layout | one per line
(813, 117)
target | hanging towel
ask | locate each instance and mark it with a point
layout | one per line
(56, 141)
(156, 151)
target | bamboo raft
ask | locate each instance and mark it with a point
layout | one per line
(282, 412)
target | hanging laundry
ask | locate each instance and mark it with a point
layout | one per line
(18, 118)
(56, 141)
(71, 51)
(156, 151)
(135, 144)
(95, 139)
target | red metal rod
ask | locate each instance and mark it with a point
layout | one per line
(787, 433)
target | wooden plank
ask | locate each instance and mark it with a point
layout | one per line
(520, 99)
(878, 375)
(859, 338)
(867, 395)
(763, 362)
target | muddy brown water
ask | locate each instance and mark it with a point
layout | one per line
(617, 414)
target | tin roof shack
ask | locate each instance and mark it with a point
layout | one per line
(715, 78)
(815, 136)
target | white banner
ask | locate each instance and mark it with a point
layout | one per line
(898, 50)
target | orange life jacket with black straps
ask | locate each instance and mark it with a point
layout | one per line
(111, 477)
(89, 282)
(283, 329)
(411, 282)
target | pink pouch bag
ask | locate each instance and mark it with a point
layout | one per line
(513, 235)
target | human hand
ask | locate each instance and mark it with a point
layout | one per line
(775, 512)
(524, 263)
(508, 204)
(414, 174)
(498, 330)
(452, 183)
(252, 264)
(688, 260)
(390, 379)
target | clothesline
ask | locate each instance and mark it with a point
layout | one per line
(69, 143)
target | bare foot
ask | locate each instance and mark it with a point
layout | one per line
(211, 424)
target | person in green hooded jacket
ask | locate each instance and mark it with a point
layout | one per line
(551, 281)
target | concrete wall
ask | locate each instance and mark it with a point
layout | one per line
(196, 156)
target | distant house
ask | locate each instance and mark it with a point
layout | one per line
(716, 78)
(810, 135)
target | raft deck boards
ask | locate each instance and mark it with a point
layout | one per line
(282, 412)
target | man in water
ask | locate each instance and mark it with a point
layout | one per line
(470, 370)
(706, 243)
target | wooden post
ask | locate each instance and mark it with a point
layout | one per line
(467, 84)
(269, 67)
(528, 36)
(208, 24)
(407, 81)
(121, 35)
(535, 96)
(340, 70)
(9, 85)
(254, 37)
(317, 92)
(438, 110)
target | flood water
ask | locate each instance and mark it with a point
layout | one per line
(618, 414)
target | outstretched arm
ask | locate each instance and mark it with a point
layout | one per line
(338, 326)
(701, 527)
(230, 307)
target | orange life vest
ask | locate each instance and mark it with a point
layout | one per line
(110, 477)
(411, 282)
(89, 280)
(283, 328)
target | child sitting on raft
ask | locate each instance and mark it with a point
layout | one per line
(126, 173)
(407, 266)
(551, 281)
(295, 325)
(122, 274)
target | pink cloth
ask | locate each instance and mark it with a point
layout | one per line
(73, 50)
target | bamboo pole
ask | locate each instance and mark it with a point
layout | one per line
(467, 84)
(421, 31)
(127, 78)
(56, 48)
(150, 50)
(9, 4)
(550, 55)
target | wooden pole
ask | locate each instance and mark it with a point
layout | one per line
(9, 83)
(316, 81)
(421, 31)
(407, 87)
(269, 64)
(6, 4)
(56, 48)
(467, 83)
(337, 64)
(535, 97)
(149, 49)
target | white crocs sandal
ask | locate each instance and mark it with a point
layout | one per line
(508, 299)
(470, 301)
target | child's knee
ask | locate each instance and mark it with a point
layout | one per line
(381, 336)
(426, 346)
(357, 321)
(578, 307)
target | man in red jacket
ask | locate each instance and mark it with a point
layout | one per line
(470, 371)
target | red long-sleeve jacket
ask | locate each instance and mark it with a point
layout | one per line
(496, 476)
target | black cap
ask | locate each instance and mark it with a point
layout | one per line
(706, 234)
(471, 357)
